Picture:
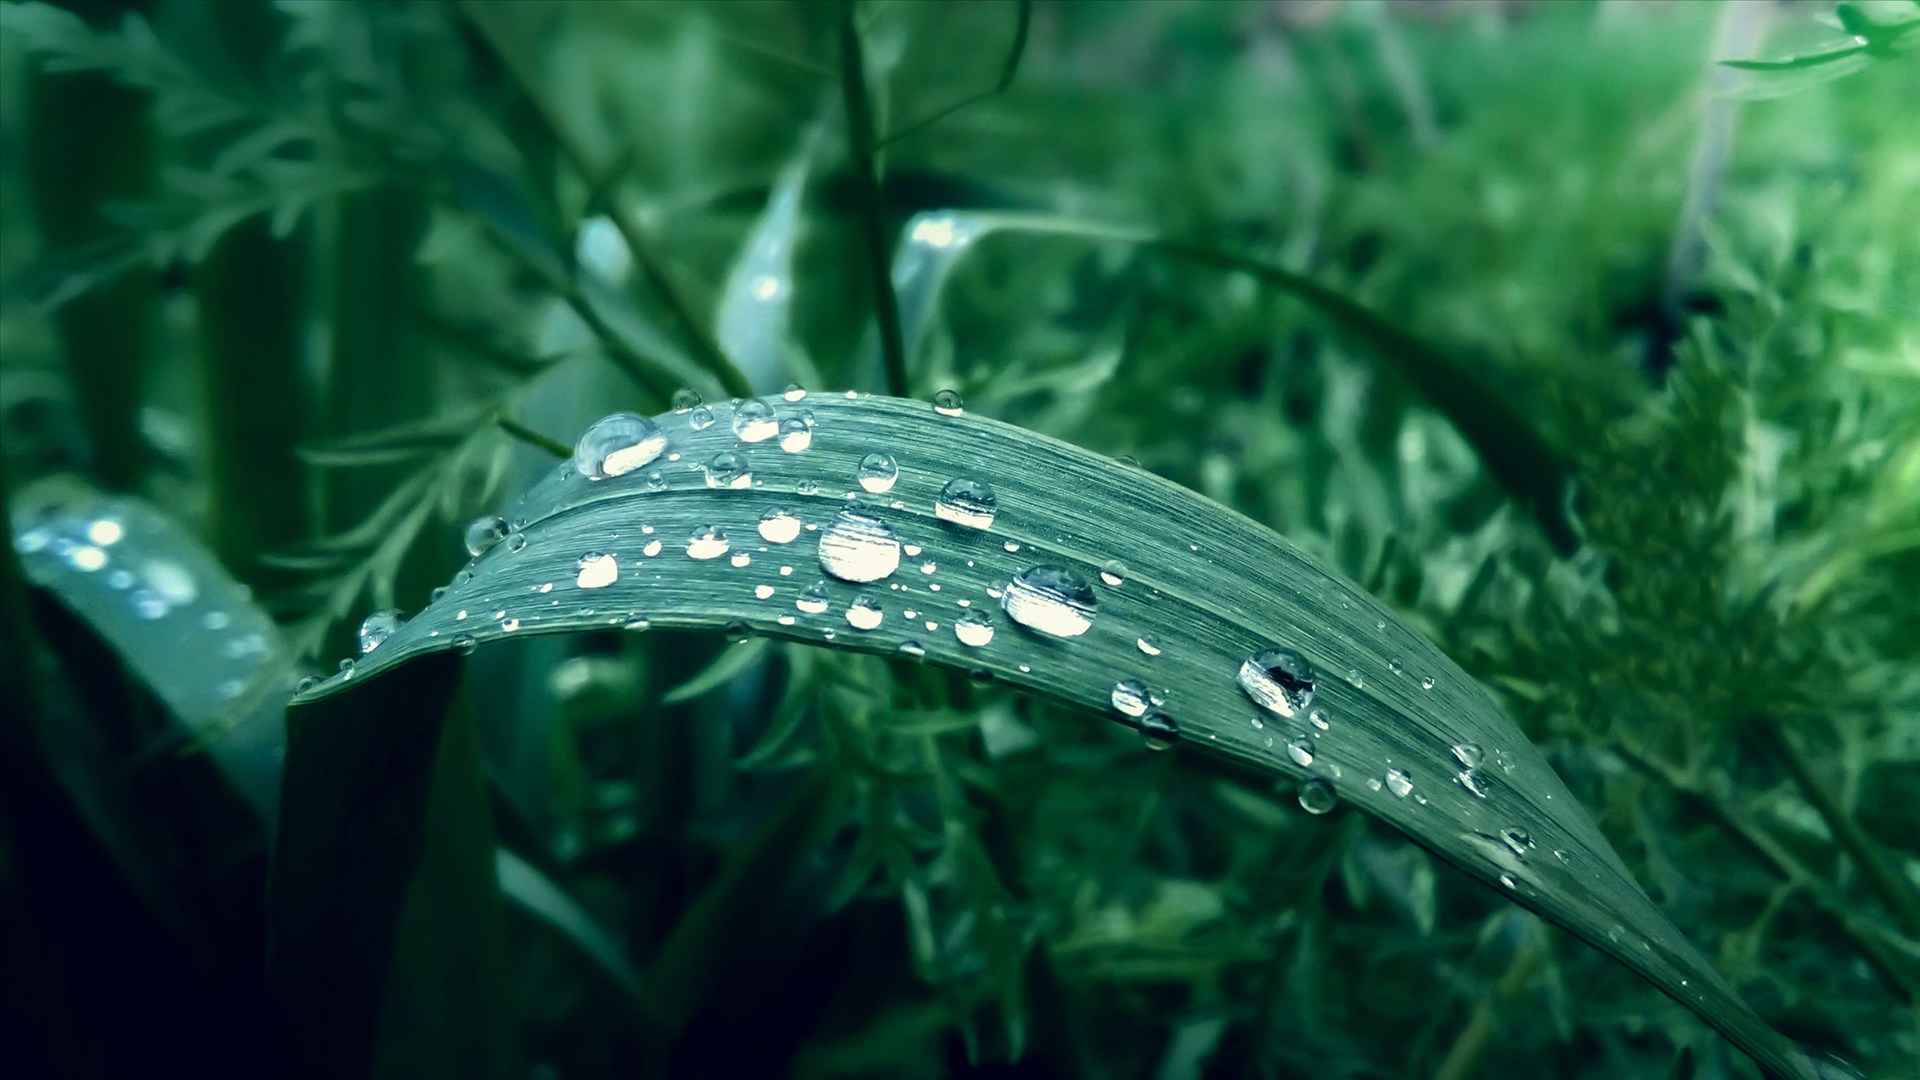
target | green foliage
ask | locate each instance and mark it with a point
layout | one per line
(362, 267)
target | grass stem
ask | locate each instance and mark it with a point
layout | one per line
(886, 309)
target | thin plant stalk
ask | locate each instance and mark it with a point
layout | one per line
(873, 226)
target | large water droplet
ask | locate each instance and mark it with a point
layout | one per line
(707, 542)
(617, 444)
(753, 421)
(728, 470)
(1278, 680)
(483, 533)
(1301, 751)
(796, 434)
(1317, 796)
(1400, 782)
(973, 628)
(596, 570)
(877, 472)
(814, 600)
(948, 403)
(966, 501)
(1159, 731)
(865, 612)
(377, 628)
(779, 526)
(1051, 599)
(859, 547)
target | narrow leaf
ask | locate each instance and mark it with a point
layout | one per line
(1129, 577)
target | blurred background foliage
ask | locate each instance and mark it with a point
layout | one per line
(292, 291)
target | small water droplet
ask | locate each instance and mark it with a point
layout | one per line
(617, 444)
(1320, 719)
(1130, 697)
(376, 628)
(1507, 880)
(1426, 683)
(1148, 644)
(306, 683)
(966, 501)
(1467, 754)
(707, 542)
(700, 418)
(216, 620)
(947, 402)
(865, 612)
(807, 487)
(1051, 599)
(1114, 573)
(637, 625)
(346, 664)
(1011, 546)
(1317, 796)
(1394, 666)
(859, 547)
(973, 628)
(1353, 676)
(738, 631)
(596, 570)
(763, 592)
(741, 558)
(794, 392)
(510, 625)
(796, 434)
(912, 649)
(753, 421)
(1517, 841)
(1301, 751)
(1258, 724)
(517, 542)
(86, 558)
(483, 533)
(1400, 782)
(1280, 681)
(1158, 731)
(463, 643)
(438, 594)
(1473, 781)
(727, 469)
(814, 600)
(877, 472)
(652, 548)
(685, 400)
(656, 480)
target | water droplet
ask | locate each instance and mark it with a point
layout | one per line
(1278, 680)
(637, 625)
(1301, 751)
(1158, 731)
(796, 434)
(1320, 718)
(685, 400)
(763, 592)
(617, 444)
(973, 628)
(859, 547)
(912, 649)
(966, 501)
(1353, 676)
(1426, 683)
(865, 612)
(1050, 599)
(517, 542)
(779, 526)
(463, 643)
(306, 683)
(1148, 644)
(728, 470)
(794, 392)
(438, 594)
(31, 541)
(1394, 666)
(105, 532)
(1258, 724)
(1517, 841)
(1317, 796)
(738, 631)
(1467, 754)
(753, 421)
(1400, 782)
(1130, 697)
(814, 600)
(216, 620)
(947, 402)
(1507, 880)
(483, 533)
(877, 472)
(1505, 760)
(596, 570)
(346, 664)
(700, 418)
(652, 548)
(656, 480)
(1011, 546)
(376, 628)
(86, 558)
(510, 625)
(910, 550)
(1114, 573)
(707, 542)
(121, 579)
(1473, 781)
(807, 487)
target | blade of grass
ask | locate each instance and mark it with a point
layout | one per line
(1210, 585)
(873, 223)
(1023, 21)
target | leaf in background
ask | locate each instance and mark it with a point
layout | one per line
(382, 902)
(539, 896)
(1137, 579)
(176, 618)
(754, 311)
(1533, 471)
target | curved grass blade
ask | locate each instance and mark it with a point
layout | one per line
(178, 621)
(1534, 471)
(1408, 737)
